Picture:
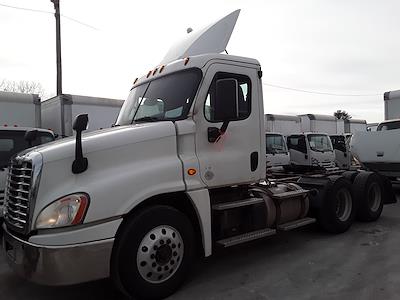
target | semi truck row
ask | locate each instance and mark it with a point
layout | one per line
(182, 173)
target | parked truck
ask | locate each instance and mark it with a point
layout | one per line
(59, 112)
(181, 172)
(392, 105)
(19, 114)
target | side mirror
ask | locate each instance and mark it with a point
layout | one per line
(30, 136)
(80, 163)
(81, 123)
(225, 107)
(226, 104)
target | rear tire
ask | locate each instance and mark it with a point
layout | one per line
(369, 195)
(336, 214)
(153, 253)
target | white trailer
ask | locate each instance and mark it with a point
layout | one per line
(18, 109)
(355, 125)
(284, 124)
(392, 105)
(138, 201)
(59, 112)
(322, 123)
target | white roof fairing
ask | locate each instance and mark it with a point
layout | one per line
(212, 39)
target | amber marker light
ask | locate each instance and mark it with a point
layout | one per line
(191, 172)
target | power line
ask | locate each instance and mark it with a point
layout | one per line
(320, 93)
(48, 12)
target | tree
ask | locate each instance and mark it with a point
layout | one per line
(22, 86)
(342, 115)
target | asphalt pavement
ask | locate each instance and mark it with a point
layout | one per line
(362, 263)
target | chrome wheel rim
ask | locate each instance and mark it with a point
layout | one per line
(374, 197)
(344, 204)
(160, 254)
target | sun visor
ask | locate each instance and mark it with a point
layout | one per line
(212, 39)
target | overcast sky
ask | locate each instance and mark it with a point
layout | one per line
(332, 46)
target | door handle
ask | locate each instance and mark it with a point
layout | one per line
(254, 161)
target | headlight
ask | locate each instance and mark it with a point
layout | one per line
(69, 210)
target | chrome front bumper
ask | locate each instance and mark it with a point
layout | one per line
(58, 265)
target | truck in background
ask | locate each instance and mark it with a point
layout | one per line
(19, 113)
(277, 128)
(59, 112)
(322, 123)
(355, 125)
(392, 105)
(138, 201)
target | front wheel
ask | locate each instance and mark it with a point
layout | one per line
(153, 253)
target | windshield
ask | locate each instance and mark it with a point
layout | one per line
(319, 142)
(165, 98)
(275, 144)
(389, 126)
(12, 142)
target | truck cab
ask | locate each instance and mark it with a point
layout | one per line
(343, 157)
(311, 150)
(277, 153)
(12, 141)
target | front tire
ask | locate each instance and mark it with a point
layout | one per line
(153, 253)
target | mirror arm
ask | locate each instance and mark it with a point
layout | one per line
(80, 163)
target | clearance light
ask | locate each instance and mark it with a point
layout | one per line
(155, 71)
(135, 80)
(191, 172)
(186, 60)
(162, 68)
(148, 74)
(5, 125)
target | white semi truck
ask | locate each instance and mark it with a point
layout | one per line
(19, 113)
(181, 172)
(59, 112)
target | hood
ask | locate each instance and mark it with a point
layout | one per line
(106, 139)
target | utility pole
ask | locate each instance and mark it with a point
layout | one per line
(58, 45)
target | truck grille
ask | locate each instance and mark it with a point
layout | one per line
(18, 189)
(1, 198)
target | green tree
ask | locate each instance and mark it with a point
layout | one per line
(342, 115)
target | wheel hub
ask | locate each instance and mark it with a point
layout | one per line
(160, 254)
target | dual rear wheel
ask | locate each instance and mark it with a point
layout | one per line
(363, 199)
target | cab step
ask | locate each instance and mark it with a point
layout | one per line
(238, 203)
(246, 237)
(290, 194)
(296, 224)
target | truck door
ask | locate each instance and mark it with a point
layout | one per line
(233, 157)
(298, 150)
(342, 155)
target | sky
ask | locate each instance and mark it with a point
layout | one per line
(346, 47)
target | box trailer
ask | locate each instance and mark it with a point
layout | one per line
(283, 124)
(322, 123)
(355, 125)
(59, 112)
(18, 109)
(392, 105)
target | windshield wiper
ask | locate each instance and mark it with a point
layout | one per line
(147, 119)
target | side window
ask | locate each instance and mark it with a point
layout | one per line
(242, 106)
(297, 142)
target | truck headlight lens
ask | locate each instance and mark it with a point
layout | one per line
(69, 210)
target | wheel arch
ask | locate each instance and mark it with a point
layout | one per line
(181, 201)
